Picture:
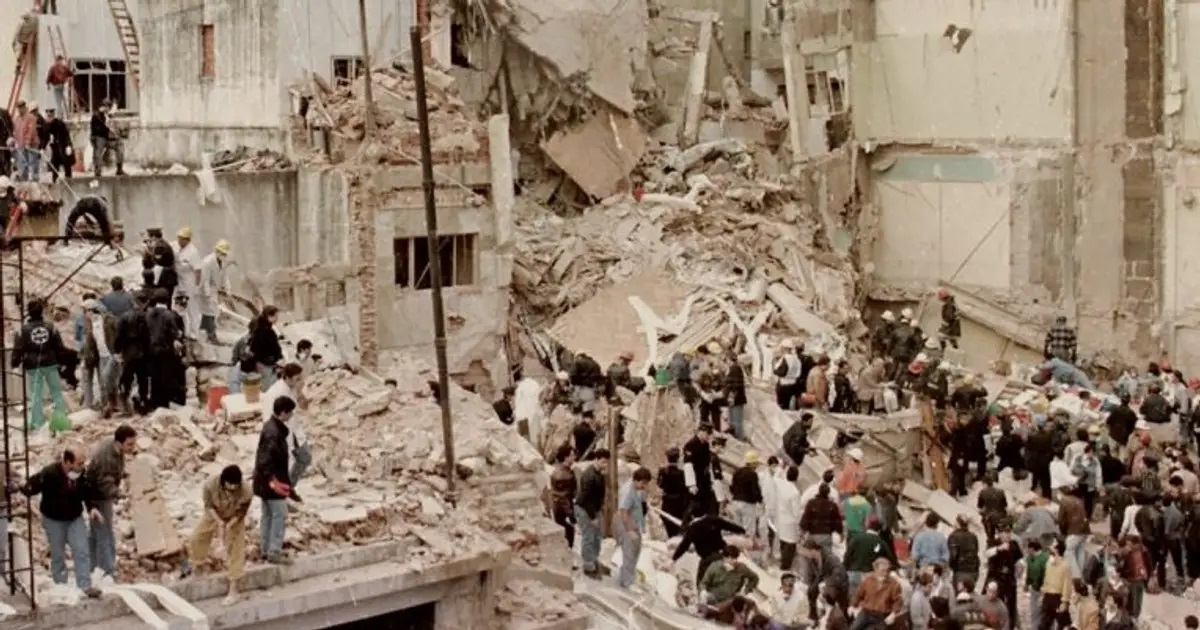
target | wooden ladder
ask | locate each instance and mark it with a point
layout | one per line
(59, 49)
(127, 32)
(27, 56)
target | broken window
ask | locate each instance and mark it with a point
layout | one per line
(825, 93)
(208, 54)
(456, 256)
(96, 80)
(347, 69)
(335, 293)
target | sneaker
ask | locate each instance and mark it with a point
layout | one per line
(92, 592)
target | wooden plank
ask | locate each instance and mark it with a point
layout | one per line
(935, 455)
(153, 528)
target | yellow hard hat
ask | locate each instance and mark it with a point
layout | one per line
(222, 247)
(714, 347)
(689, 351)
(184, 232)
(751, 457)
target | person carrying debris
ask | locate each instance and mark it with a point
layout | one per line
(105, 471)
(787, 371)
(1061, 342)
(66, 496)
(271, 479)
(211, 279)
(226, 501)
(36, 349)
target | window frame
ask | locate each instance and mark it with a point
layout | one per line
(459, 261)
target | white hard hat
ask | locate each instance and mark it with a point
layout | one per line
(888, 316)
(1142, 425)
(5, 182)
(906, 313)
(931, 344)
(922, 358)
(944, 365)
(788, 344)
(855, 453)
(562, 376)
(94, 184)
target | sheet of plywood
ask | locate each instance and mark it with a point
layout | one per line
(153, 529)
(599, 154)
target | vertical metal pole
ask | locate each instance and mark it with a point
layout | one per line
(435, 249)
(25, 424)
(366, 60)
(10, 561)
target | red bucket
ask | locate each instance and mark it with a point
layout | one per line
(216, 392)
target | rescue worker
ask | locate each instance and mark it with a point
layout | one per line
(951, 328)
(226, 501)
(187, 267)
(747, 495)
(210, 282)
(264, 346)
(99, 366)
(158, 264)
(679, 369)
(105, 471)
(675, 499)
(709, 386)
(904, 343)
(881, 338)
(65, 507)
(165, 337)
(788, 368)
(817, 383)
(619, 376)
(133, 353)
(36, 349)
(563, 487)
(586, 377)
(271, 476)
(698, 453)
(705, 536)
(1061, 342)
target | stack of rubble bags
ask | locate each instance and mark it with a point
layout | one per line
(378, 472)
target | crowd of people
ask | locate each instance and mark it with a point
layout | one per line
(1112, 513)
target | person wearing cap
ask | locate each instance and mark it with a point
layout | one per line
(787, 608)
(1061, 342)
(853, 475)
(96, 356)
(905, 342)
(788, 369)
(746, 495)
(881, 337)
(187, 266)
(619, 376)
(210, 282)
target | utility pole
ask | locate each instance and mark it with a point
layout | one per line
(435, 264)
(366, 64)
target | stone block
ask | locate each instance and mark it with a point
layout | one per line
(237, 409)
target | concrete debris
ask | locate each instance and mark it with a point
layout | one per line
(243, 159)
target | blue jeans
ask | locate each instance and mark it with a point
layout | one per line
(235, 379)
(589, 539)
(865, 620)
(60, 98)
(737, 421)
(46, 376)
(854, 578)
(102, 544)
(301, 460)
(272, 526)
(1076, 555)
(267, 373)
(99, 381)
(28, 161)
(631, 549)
(73, 534)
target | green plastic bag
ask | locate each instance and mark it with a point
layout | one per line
(60, 423)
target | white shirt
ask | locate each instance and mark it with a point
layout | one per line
(767, 482)
(793, 369)
(1127, 526)
(295, 429)
(790, 509)
(98, 334)
(187, 261)
(789, 610)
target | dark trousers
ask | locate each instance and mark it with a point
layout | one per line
(163, 376)
(136, 371)
(1158, 561)
(710, 414)
(784, 395)
(1089, 502)
(1051, 615)
(1175, 551)
(705, 562)
(567, 520)
(60, 164)
(1041, 479)
(1008, 593)
(68, 361)
(787, 555)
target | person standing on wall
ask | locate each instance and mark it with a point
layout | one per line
(57, 78)
(105, 471)
(104, 139)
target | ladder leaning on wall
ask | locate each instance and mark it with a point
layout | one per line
(26, 57)
(127, 33)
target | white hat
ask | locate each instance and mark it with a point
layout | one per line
(944, 365)
(906, 313)
(855, 453)
(94, 184)
(922, 358)
(931, 344)
(1142, 425)
(5, 182)
(788, 344)
(888, 316)
(562, 376)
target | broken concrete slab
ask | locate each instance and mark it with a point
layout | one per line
(599, 154)
(153, 528)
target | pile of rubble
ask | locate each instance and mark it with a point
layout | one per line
(456, 135)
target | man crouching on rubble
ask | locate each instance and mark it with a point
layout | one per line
(226, 501)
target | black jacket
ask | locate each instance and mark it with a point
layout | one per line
(99, 126)
(795, 442)
(133, 335)
(264, 344)
(58, 135)
(744, 486)
(590, 495)
(964, 551)
(699, 454)
(735, 385)
(705, 536)
(62, 498)
(37, 345)
(271, 459)
(1120, 424)
(163, 329)
(586, 372)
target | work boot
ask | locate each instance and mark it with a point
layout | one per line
(92, 592)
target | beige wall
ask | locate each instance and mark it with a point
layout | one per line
(1011, 80)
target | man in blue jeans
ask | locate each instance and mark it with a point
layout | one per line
(272, 479)
(589, 506)
(630, 523)
(65, 495)
(105, 471)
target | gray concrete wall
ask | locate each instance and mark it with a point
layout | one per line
(258, 213)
